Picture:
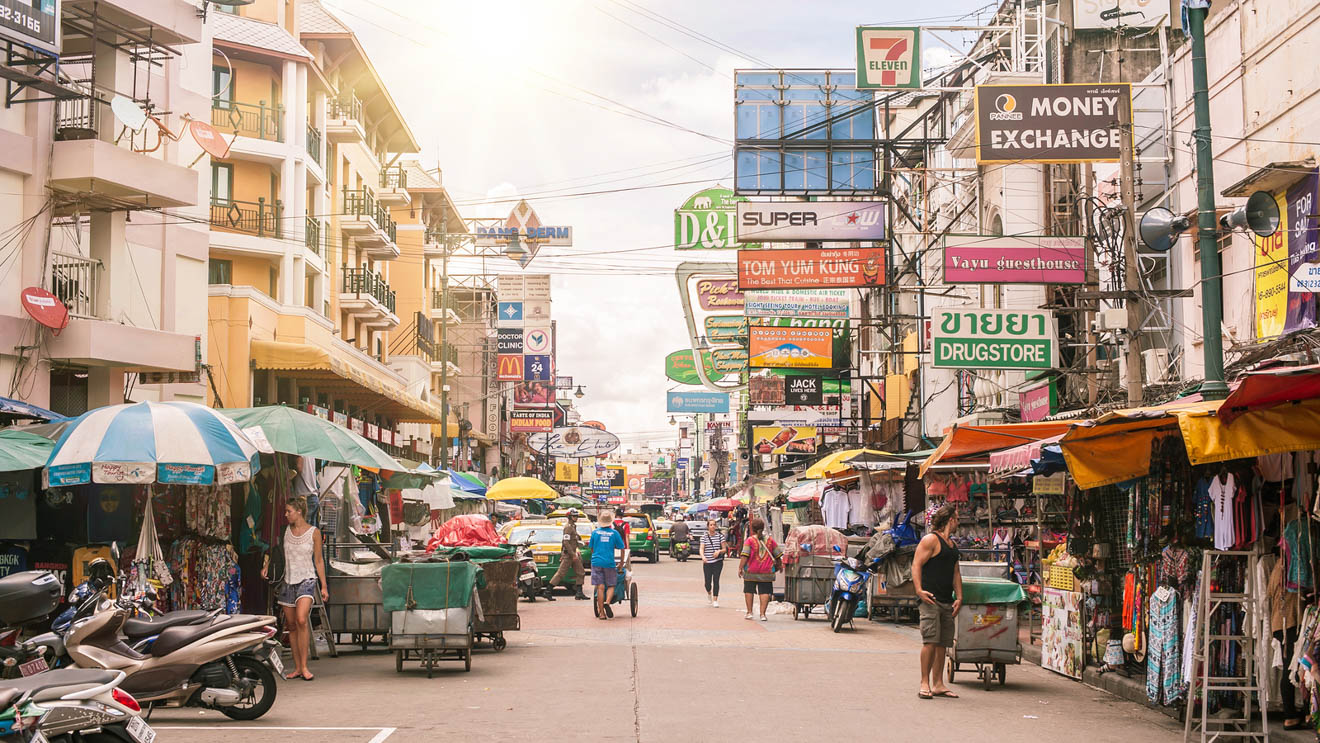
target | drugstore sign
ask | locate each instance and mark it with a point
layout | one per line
(975, 338)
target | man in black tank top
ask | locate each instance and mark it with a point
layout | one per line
(938, 582)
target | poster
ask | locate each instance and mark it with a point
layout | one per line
(766, 390)
(1272, 279)
(784, 439)
(791, 348)
(566, 471)
(1300, 200)
(1061, 632)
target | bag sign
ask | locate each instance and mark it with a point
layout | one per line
(975, 338)
(1062, 123)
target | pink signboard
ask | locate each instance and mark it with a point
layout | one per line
(1037, 404)
(979, 259)
(719, 294)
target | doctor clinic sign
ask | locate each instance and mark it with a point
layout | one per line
(975, 338)
(1067, 123)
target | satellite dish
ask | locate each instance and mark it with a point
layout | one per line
(1160, 227)
(128, 113)
(209, 138)
(45, 308)
(1260, 215)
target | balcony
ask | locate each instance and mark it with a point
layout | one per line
(364, 219)
(433, 244)
(257, 218)
(314, 143)
(74, 280)
(367, 296)
(344, 122)
(312, 236)
(438, 354)
(394, 187)
(439, 310)
(258, 121)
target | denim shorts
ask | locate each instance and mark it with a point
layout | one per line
(288, 595)
(608, 577)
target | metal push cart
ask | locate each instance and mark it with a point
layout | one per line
(807, 584)
(355, 607)
(432, 608)
(625, 589)
(499, 597)
(986, 629)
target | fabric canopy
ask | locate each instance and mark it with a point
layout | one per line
(844, 460)
(465, 483)
(1019, 457)
(23, 451)
(1270, 387)
(971, 441)
(521, 488)
(18, 409)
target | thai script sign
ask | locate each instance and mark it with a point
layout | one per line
(976, 338)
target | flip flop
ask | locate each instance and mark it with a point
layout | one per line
(308, 678)
(925, 695)
(945, 693)
(292, 676)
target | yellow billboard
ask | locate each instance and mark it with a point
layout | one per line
(1272, 280)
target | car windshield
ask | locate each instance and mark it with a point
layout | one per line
(536, 534)
(637, 522)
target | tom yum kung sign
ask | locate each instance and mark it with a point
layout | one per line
(1065, 123)
(975, 338)
(976, 259)
(840, 268)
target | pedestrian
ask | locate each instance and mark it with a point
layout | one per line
(604, 568)
(712, 560)
(304, 568)
(761, 558)
(570, 562)
(938, 582)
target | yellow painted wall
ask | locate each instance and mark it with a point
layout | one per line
(237, 321)
(263, 10)
(253, 82)
(252, 271)
(253, 181)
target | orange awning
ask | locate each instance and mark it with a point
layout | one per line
(966, 442)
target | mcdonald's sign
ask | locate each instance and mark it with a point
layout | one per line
(509, 367)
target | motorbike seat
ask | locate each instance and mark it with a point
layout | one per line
(179, 636)
(55, 684)
(137, 628)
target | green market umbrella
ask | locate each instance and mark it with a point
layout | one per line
(568, 501)
(20, 450)
(292, 431)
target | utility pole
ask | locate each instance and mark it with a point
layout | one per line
(1092, 285)
(1207, 226)
(1132, 272)
(444, 358)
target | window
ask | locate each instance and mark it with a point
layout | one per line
(220, 272)
(222, 86)
(222, 182)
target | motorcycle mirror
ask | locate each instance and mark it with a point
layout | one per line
(114, 551)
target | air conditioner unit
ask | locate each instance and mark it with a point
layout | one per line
(1155, 364)
(1112, 319)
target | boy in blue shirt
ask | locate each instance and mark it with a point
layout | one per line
(604, 569)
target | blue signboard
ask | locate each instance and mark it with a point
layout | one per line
(537, 369)
(697, 402)
(510, 313)
(683, 463)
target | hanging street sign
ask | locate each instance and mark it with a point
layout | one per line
(509, 367)
(574, 442)
(697, 402)
(821, 303)
(536, 340)
(975, 338)
(791, 347)
(531, 421)
(980, 259)
(803, 390)
(524, 224)
(811, 269)
(707, 221)
(1059, 123)
(784, 439)
(679, 367)
(537, 368)
(726, 328)
(888, 57)
(730, 360)
(508, 314)
(509, 340)
(796, 221)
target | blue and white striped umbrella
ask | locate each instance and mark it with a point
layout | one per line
(170, 442)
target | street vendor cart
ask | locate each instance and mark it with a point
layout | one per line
(433, 606)
(499, 597)
(807, 583)
(986, 629)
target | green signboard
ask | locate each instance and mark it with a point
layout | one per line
(680, 368)
(888, 57)
(975, 338)
(726, 328)
(730, 360)
(708, 221)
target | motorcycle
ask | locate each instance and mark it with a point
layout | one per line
(529, 581)
(71, 705)
(680, 550)
(850, 579)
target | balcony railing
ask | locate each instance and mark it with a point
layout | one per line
(362, 281)
(428, 346)
(250, 120)
(74, 280)
(345, 108)
(395, 177)
(77, 118)
(313, 235)
(251, 217)
(362, 203)
(314, 143)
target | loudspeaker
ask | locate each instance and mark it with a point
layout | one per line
(1260, 215)
(1160, 227)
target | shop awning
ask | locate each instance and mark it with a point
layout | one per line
(1270, 387)
(341, 379)
(975, 442)
(1019, 457)
(844, 459)
(449, 430)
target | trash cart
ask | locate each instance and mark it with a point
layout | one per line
(432, 606)
(499, 599)
(807, 583)
(986, 629)
(354, 607)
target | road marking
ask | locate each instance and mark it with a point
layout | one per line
(379, 737)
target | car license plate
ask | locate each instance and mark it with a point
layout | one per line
(542, 558)
(33, 667)
(276, 662)
(140, 731)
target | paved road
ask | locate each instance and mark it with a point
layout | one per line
(680, 671)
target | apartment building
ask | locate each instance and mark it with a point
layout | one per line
(98, 204)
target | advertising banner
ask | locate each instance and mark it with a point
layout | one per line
(840, 329)
(566, 471)
(697, 402)
(32, 22)
(798, 221)
(1061, 631)
(523, 222)
(980, 259)
(574, 442)
(508, 314)
(534, 394)
(536, 287)
(509, 367)
(766, 390)
(1272, 278)
(531, 421)
(1038, 403)
(537, 368)
(726, 328)
(803, 390)
(1302, 253)
(509, 340)
(975, 338)
(637, 483)
(1060, 123)
(1091, 14)
(841, 268)
(536, 340)
(719, 294)
(790, 348)
(679, 367)
(617, 476)
(784, 439)
(564, 383)
(536, 313)
(798, 415)
(729, 360)
(707, 220)
(888, 57)
(818, 303)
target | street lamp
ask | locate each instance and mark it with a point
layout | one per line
(672, 421)
(514, 249)
(579, 393)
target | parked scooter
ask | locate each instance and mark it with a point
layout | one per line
(71, 705)
(850, 578)
(529, 581)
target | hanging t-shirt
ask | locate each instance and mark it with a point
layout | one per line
(304, 480)
(834, 507)
(1205, 510)
(1275, 467)
(110, 514)
(859, 508)
(1221, 494)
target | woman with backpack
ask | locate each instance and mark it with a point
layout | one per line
(761, 558)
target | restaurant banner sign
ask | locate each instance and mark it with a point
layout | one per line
(784, 439)
(791, 348)
(838, 268)
(980, 259)
(531, 421)
(976, 338)
(829, 304)
(1060, 123)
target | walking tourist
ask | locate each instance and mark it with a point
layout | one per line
(570, 562)
(761, 557)
(938, 582)
(304, 570)
(712, 560)
(604, 567)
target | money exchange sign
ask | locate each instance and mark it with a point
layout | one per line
(1072, 122)
(975, 338)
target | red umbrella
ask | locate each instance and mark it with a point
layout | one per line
(722, 504)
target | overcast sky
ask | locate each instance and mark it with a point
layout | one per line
(531, 97)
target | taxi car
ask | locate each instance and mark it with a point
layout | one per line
(545, 538)
(662, 527)
(643, 539)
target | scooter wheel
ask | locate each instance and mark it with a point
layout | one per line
(259, 675)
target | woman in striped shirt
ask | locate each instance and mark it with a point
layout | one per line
(712, 556)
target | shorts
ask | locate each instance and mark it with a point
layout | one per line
(288, 595)
(763, 587)
(937, 624)
(608, 577)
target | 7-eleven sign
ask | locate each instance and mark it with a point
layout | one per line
(888, 57)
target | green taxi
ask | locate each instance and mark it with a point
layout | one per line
(662, 527)
(643, 538)
(547, 543)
